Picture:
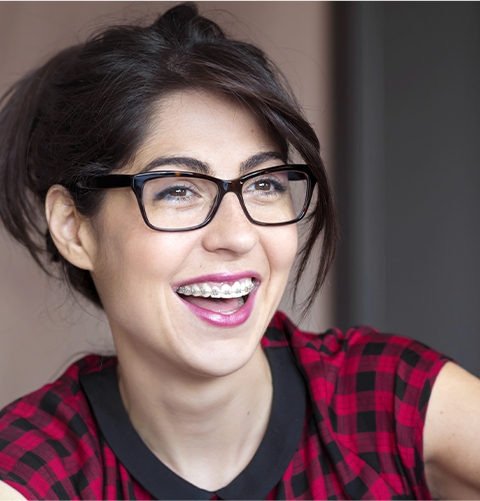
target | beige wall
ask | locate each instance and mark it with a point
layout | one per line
(41, 327)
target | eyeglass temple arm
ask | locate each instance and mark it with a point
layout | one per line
(108, 181)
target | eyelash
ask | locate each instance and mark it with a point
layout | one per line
(277, 185)
(167, 193)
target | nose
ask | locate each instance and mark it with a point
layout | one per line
(230, 230)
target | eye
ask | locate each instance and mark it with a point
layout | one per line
(266, 185)
(170, 191)
(263, 185)
(177, 194)
(174, 192)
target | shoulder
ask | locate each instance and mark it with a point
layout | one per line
(43, 432)
(452, 432)
(61, 405)
(359, 350)
(369, 394)
(9, 493)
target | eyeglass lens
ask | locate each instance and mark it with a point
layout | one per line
(185, 202)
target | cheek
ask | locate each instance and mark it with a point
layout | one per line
(281, 246)
(137, 258)
(132, 259)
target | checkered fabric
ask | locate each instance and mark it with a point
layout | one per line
(362, 436)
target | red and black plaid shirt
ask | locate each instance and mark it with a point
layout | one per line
(347, 422)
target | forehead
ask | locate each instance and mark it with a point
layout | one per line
(211, 129)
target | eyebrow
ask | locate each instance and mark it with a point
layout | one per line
(191, 163)
(260, 158)
(204, 168)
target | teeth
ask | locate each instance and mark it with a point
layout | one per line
(236, 290)
(225, 291)
(206, 290)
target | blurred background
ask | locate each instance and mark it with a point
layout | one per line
(392, 90)
(407, 170)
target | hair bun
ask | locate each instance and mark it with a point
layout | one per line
(185, 26)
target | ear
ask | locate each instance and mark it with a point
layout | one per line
(71, 233)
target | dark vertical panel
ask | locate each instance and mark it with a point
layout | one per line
(409, 127)
(342, 130)
(368, 172)
(432, 88)
(360, 163)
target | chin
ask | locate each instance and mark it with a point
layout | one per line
(219, 361)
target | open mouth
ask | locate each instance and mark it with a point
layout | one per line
(225, 298)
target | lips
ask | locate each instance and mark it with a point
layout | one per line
(220, 300)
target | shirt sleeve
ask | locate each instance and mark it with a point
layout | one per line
(46, 449)
(395, 375)
(417, 369)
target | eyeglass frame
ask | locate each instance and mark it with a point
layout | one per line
(137, 181)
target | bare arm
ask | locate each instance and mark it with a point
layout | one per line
(452, 435)
(7, 492)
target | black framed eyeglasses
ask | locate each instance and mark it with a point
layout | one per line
(182, 201)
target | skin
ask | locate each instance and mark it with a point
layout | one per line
(200, 395)
(452, 435)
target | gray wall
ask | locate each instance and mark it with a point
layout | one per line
(410, 146)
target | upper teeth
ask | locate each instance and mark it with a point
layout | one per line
(225, 291)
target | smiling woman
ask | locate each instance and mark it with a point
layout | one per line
(162, 156)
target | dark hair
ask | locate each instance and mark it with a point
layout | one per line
(85, 113)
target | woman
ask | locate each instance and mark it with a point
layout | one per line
(162, 158)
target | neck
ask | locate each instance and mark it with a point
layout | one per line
(205, 429)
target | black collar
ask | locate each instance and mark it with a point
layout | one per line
(260, 476)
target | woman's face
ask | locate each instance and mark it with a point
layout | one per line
(138, 271)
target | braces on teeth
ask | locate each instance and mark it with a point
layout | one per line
(225, 291)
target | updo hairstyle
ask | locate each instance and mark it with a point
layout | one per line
(86, 112)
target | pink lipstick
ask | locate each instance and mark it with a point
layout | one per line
(224, 300)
